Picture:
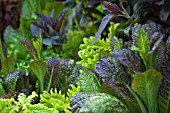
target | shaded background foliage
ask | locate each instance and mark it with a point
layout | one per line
(112, 65)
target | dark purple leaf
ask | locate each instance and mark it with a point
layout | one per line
(128, 58)
(47, 19)
(35, 27)
(38, 25)
(103, 24)
(109, 68)
(29, 46)
(59, 19)
(114, 76)
(106, 67)
(53, 72)
(51, 41)
(113, 8)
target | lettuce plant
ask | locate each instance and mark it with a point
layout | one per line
(136, 76)
(52, 102)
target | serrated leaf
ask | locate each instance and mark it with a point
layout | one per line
(39, 68)
(103, 24)
(146, 85)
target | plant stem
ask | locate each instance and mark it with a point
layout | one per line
(41, 86)
(49, 83)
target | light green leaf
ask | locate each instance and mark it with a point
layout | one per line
(89, 81)
(142, 44)
(39, 68)
(146, 85)
(96, 103)
(40, 108)
(6, 105)
(38, 44)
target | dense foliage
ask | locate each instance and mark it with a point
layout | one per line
(86, 56)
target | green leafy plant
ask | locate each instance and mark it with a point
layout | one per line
(23, 105)
(90, 54)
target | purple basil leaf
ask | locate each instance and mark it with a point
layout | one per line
(46, 19)
(103, 24)
(128, 58)
(51, 78)
(29, 46)
(59, 19)
(113, 8)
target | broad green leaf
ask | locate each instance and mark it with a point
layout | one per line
(146, 85)
(89, 81)
(28, 9)
(96, 103)
(8, 65)
(39, 68)
(38, 44)
(141, 104)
